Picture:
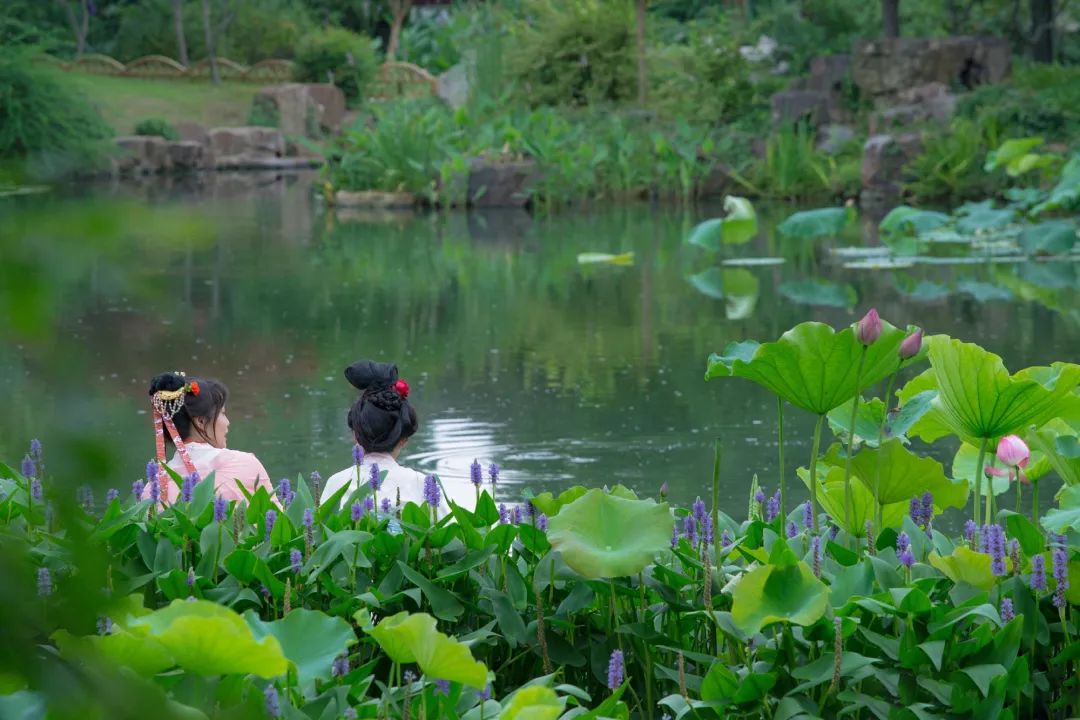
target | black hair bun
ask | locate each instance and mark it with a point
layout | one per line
(166, 381)
(365, 374)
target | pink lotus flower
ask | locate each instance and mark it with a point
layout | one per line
(912, 345)
(868, 330)
(1013, 452)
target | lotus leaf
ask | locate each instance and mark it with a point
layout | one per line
(414, 639)
(1052, 237)
(811, 366)
(209, 639)
(1066, 194)
(863, 505)
(965, 566)
(602, 535)
(904, 220)
(143, 654)
(819, 292)
(903, 475)
(534, 702)
(869, 416)
(982, 217)
(1015, 156)
(738, 226)
(773, 593)
(1066, 516)
(310, 640)
(813, 224)
(738, 287)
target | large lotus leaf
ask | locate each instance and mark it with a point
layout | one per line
(738, 288)
(1066, 515)
(1010, 155)
(813, 224)
(811, 366)
(535, 702)
(738, 226)
(983, 292)
(904, 220)
(868, 419)
(1057, 441)
(821, 293)
(143, 654)
(209, 639)
(963, 468)
(601, 535)
(310, 640)
(550, 505)
(982, 217)
(1066, 194)
(903, 475)
(771, 593)
(966, 566)
(414, 639)
(1053, 237)
(863, 505)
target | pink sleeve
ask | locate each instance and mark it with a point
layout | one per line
(232, 465)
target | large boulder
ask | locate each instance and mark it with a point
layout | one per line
(495, 183)
(247, 147)
(303, 110)
(331, 102)
(792, 106)
(884, 160)
(883, 68)
(919, 104)
(192, 132)
(188, 156)
(453, 86)
(142, 155)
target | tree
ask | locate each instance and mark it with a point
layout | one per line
(890, 18)
(399, 11)
(1042, 30)
(79, 26)
(181, 40)
(642, 77)
(213, 33)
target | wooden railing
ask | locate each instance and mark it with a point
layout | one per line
(159, 66)
(400, 79)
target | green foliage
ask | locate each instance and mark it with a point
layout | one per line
(794, 168)
(576, 53)
(336, 55)
(263, 112)
(950, 167)
(1038, 100)
(43, 121)
(156, 126)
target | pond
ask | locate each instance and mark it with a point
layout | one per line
(561, 372)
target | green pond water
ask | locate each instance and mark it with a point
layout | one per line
(562, 373)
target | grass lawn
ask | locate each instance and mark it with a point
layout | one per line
(123, 101)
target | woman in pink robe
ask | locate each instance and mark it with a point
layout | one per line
(203, 427)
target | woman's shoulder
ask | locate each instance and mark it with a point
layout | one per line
(238, 461)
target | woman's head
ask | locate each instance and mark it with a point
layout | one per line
(381, 419)
(201, 417)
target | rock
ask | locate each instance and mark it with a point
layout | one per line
(930, 101)
(142, 155)
(331, 101)
(500, 184)
(373, 199)
(295, 110)
(792, 106)
(884, 159)
(188, 156)
(238, 147)
(833, 138)
(883, 68)
(453, 86)
(828, 73)
(192, 132)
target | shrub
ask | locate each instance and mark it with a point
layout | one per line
(1040, 100)
(44, 121)
(339, 56)
(950, 166)
(263, 113)
(156, 126)
(575, 53)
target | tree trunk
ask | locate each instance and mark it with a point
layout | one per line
(79, 28)
(181, 40)
(1042, 31)
(890, 18)
(211, 54)
(399, 10)
(642, 76)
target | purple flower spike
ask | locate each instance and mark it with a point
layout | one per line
(504, 514)
(772, 508)
(903, 542)
(35, 449)
(296, 560)
(834, 531)
(340, 668)
(1038, 573)
(44, 582)
(995, 543)
(690, 529)
(187, 489)
(476, 474)
(104, 625)
(815, 549)
(155, 492)
(356, 511)
(442, 687)
(409, 676)
(707, 529)
(357, 454)
(542, 522)
(675, 535)
(485, 694)
(151, 472)
(493, 473)
(285, 492)
(906, 558)
(309, 518)
(110, 495)
(374, 478)
(1060, 559)
(616, 670)
(969, 530)
(698, 510)
(36, 493)
(759, 496)
(369, 504)
(137, 488)
(927, 507)
(28, 468)
(221, 509)
(792, 530)
(515, 515)
(190, 578)
(432, 493)
(271, 518)
(1007, 611)
(808, 516)
(273, 705)
(915, 510)
(726, 540)
(385, 506)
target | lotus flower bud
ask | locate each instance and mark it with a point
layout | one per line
(911, 345)
(1013, 451)
(868, 330)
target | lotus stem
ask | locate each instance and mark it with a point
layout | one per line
(780, 450)
(1035, 502)
(880, 439)
(848, 511)
(716, 500)
(978, 483)
(1019, 490)
(813, 469)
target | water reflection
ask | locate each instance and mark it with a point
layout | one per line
(517, 354)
